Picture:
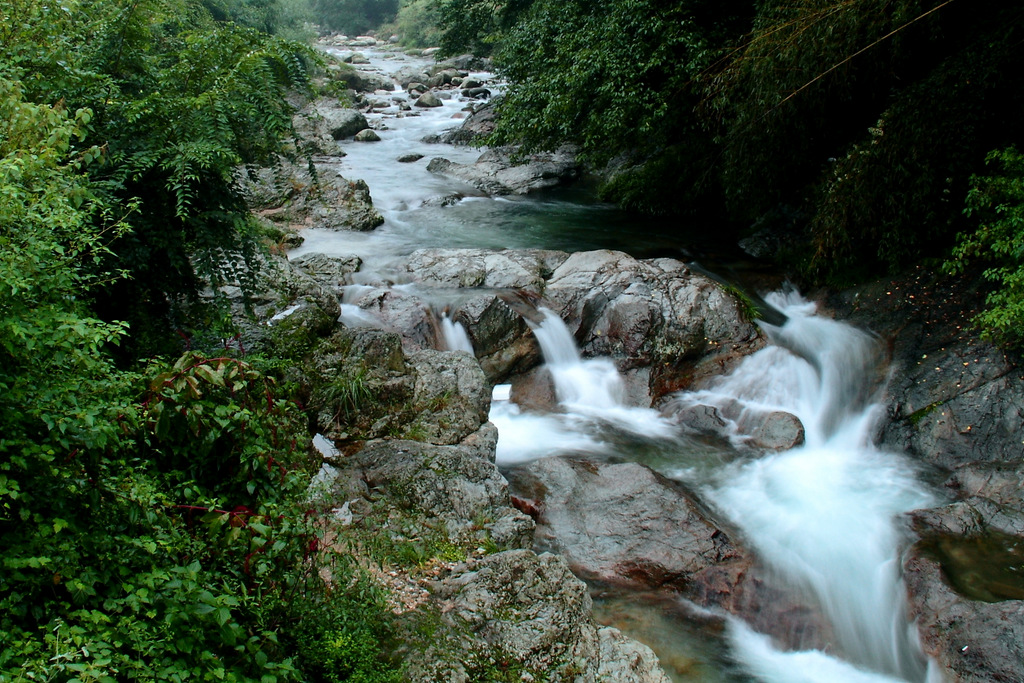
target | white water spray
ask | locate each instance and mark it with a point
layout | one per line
(823, 515)
(454, 335)
(591, 387)
(591, 394)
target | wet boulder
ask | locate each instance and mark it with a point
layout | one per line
(428, 100)
(409, 75)
(366, 81)
(623, 524)
(654, 313)
(478, 125)
(502, 341)
(367, 135)
(618, 523)
(339, 123)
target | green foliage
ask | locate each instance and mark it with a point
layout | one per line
(995, 203)
(179, 101)
(859, 122)
(870, 116)
(285, 18)
(58, 391)
(417, 23)
(354, 17)
(476, 26)
(152, 525)
(343, 637)
(618, 79)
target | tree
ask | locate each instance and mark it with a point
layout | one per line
(180, 102)
(995, 204)
(618, 79)
(867, 118)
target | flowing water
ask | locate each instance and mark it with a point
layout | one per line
(821, 516)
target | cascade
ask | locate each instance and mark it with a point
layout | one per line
(454, 335)
(823, 515)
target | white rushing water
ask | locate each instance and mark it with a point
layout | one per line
(589, 391)
(823, 515)
(454, 335)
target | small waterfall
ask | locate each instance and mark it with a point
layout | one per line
(584, 385)
(352, 315)
(591, 395)
(454, 335)
(592, 387)
(823, 515)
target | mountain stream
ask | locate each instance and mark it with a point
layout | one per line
(822, 517)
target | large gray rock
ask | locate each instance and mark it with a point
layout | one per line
(458, 486)
(365, 81)
(331, 270)
(292, 197)
(523, 612)
(496, 173)
(364, 386)
(620, 523)
(761, 430)
(367, 135)
(523, 269)
(338, 122)
(410, 74)
(451, 394)
(502, 341)
(953, 399)
(965, 578)
(656, 319)
(428, 100)
(653, 313)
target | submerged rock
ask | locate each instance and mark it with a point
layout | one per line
(623, 524)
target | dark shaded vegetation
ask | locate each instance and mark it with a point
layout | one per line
(848, 130)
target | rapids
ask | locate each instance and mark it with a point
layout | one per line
(823, 516)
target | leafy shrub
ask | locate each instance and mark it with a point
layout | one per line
(996, 203)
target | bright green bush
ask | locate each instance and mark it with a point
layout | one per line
(179, 102)
(995, 203)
